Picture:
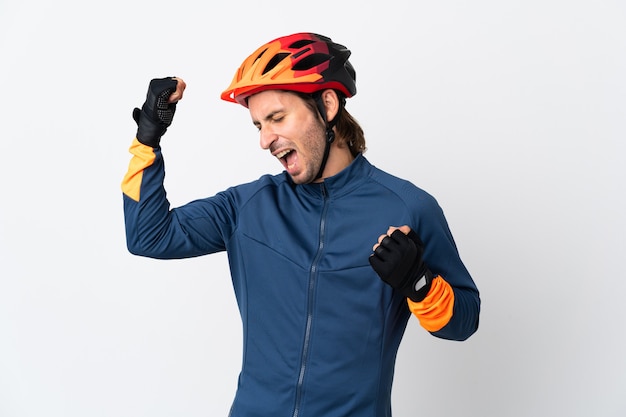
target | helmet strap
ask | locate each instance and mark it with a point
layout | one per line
(330, 133)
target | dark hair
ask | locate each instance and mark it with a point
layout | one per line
(348, 131)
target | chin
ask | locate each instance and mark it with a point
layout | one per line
(301, 179)
(298, 181)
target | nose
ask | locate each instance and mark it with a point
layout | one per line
(267, 137)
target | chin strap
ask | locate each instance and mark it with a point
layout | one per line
(330, 133)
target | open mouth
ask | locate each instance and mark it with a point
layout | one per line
(284, 153)
(287, 158)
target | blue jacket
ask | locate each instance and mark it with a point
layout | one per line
(321, 329)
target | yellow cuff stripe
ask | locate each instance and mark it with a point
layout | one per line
(143, 157)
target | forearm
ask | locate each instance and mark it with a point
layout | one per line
(146, 209)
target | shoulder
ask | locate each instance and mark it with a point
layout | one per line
(423, 212)
(404, 190)
(265, 184)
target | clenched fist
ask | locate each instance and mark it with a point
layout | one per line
(157, 112)
(397, 259)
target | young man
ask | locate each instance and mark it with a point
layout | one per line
(324, 282)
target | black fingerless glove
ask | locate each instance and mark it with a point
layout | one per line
(156, 114)
(398, 261)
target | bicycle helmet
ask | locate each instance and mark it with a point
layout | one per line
(303, 62)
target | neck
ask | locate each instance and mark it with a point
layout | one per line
(338, 159)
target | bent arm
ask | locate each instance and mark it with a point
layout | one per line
(152, 229)
(451, 308)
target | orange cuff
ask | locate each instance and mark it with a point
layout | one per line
(434, 311)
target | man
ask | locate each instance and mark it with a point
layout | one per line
(324, 282)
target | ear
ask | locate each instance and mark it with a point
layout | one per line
(331, 103)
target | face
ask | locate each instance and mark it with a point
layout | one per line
(291, 131)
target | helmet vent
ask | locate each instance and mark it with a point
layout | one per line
(311, 61)
(301, 43)
(275, 61)
(260, 55)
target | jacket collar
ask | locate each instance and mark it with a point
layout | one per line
(342, 183)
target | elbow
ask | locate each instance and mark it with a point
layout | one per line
(152, 249)
(455, 332)
(470, 330)
(465, 320)
(136, 248)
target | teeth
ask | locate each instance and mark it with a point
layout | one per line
(282, 154)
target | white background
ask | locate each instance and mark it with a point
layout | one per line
(511, 113)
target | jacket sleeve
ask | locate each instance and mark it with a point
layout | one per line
(452, 307)
(153, 229)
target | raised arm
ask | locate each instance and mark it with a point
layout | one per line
(152, 229)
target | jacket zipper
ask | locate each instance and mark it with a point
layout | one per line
(309, 315)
